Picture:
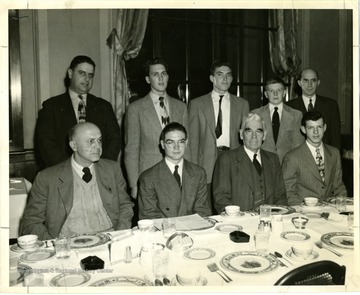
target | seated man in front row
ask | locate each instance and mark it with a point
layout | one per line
(174, 186)
(248, 176)
(84, 194)
(314, 168)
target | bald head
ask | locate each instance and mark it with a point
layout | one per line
(85, 141)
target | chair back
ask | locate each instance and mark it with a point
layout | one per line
(317, 273)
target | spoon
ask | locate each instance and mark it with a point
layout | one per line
(166, 282)
(158, 282)
(277, 254)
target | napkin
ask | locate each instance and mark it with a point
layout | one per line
(334, 216)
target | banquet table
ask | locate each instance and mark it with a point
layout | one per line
(213, 239)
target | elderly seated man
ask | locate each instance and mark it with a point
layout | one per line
(174, 186)
(84, 194)
(248, 176)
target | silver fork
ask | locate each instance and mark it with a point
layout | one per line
(321, 246)
(214, 268)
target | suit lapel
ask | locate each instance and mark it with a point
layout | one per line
(286, 120)
(150, 114)
(309, 162)
(66, 186)
(244, 166)
(171, 186)
(329, 161)
(67, 112)
(208, 110)
(188, 185)
(104, 184)
(265, 114)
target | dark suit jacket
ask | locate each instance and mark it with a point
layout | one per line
(202, 129)
(302, 178)
(329, 108)
(160, 195)
(142, 134)
(51, 198)
(57, 117)
(289, 136)
(233, 182)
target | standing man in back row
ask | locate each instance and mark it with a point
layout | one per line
(215, 121)
(144, 120)
(309, 81)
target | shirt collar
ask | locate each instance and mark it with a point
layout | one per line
(313, 149)
(75, 96)
(279, 106)
(155, 97)
(251, 154)
(78, 168)
(307, 99)
(216, 96)
(171, 165)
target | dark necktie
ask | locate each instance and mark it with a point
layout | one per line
(320, 164)
(218, 129)
(257, 165)
(87, 175)
(81, 109)
(275, 123)
(177, 176)
(310, 105)
(165, 119)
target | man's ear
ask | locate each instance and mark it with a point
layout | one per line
(318, 83)
(266, 95)
(241, 135)
(162, 144)
(325, 126)
(70, 73)
(211, 77)
(147, 79)
(72, 144)
(303, 129)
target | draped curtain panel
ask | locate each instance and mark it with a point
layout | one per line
(285, 61)
(125, 41)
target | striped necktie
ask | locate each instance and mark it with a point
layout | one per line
(81, 109)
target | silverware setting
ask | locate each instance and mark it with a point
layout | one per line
(321, 246)
(279, 255)
(214, 268)
(280, 262)
(252, 213)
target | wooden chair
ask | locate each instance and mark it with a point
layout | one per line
(317, 273)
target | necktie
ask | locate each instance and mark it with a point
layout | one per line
(275, 123)
(87, 175)
(81, 110)
(310, 106)
(257, 164)
(165, 119)
(320, 164)
(177, 176)
(218, 129)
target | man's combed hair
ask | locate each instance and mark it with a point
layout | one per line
(217, 64)
(155, 61)
(274, 80)
(81, 59)
(311, 116)
(173, 126)
(252, 117)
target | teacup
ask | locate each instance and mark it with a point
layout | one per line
(299, 222)
(145, 224)
(188, 276)
(27, 241)
(232, 210)
(302, 249)
(311, 201)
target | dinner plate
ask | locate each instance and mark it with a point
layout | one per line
(70, 279)
(225, 215)
(16, 248)
(211, 223)
(289, 253)
(312, 214)
(202, 282)
(282, 210)
(121, 281)
(39, 255)
(228, 228)
(247, 262)
(88, 240)
(199, 253)
(17, 275)
(342, 240)
(295, 236)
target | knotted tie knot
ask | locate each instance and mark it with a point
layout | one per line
(87, 174)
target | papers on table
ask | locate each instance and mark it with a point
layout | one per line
(185, 223)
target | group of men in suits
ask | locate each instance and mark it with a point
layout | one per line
(178, 160)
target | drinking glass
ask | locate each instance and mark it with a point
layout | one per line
(262, 241)
(62, 247)
(169, 227)
(265, 213)
(340, 203)
(160, 262)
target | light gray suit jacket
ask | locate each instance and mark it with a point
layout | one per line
(202, 129)
(289, 136)
(51, 198)
(302, 178)
(160, 195)
(142, 134)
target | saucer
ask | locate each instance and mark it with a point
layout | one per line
(202, 282)
(240, 214)
(291, 255)
(16, 248)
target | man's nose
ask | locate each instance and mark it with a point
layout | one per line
(316, 130)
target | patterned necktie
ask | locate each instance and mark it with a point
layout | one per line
(177, 176)
(218, 129)
(165, 119)
(320, 164)
(87, 175)
(310, 105)
(257, 165)
(81, 109)
(275, 123)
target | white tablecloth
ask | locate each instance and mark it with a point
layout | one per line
(218, 242)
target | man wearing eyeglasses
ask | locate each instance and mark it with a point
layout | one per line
(283, 122)
(174, 186)
(248, 176)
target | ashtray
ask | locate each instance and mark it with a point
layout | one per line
(239, 237)
(179, 241)
(92, 263)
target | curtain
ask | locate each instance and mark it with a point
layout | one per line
(125, 41)
(284, 59)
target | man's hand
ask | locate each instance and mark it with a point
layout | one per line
(134, 192)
